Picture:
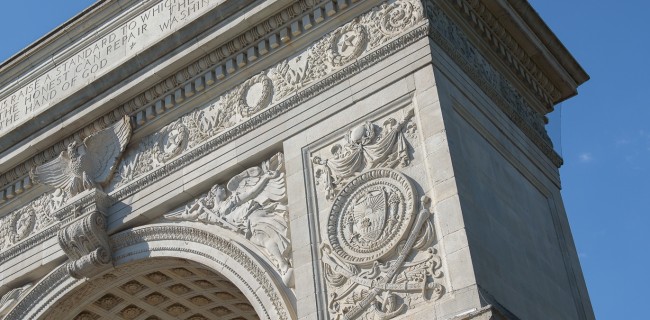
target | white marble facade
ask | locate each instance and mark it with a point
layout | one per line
(239, 159)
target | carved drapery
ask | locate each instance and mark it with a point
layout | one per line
(366, 146)
(252, 204)
(379, 256)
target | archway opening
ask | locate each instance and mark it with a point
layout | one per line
(156, 288)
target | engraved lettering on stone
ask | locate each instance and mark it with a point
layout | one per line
(253, 204)
(88, 164)
(378, 260)
(272, 86)
(105, 53)
(365, 146)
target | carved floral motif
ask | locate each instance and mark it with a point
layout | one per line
(30, 219)
(379, 260)
(253, 204)
(328, 55)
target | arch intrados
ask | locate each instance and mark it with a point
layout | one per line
(170, 241)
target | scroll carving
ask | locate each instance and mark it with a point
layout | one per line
(379, 260)
(85, 242)
(252, 204)
(88, 164)
(366, 146)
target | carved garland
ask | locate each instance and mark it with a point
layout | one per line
(167, 148)
(248, 46)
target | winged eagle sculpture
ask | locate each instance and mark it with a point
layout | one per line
(88, 164)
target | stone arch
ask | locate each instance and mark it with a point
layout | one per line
(254, 278)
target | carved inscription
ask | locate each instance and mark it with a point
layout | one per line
(113, 48)
(268, 88)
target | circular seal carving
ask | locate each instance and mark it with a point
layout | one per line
(256, 94)
(172, 141)
(23, 224)
(371, 215)
(348, 43)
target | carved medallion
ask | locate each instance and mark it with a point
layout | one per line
(255, 94)
(348, 43)
(371, 215)
(23, 224)
(173, 141)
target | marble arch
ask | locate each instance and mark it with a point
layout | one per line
(332, 159)
(152, 252)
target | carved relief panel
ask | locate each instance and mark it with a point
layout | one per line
(379, 255)
(253, 205)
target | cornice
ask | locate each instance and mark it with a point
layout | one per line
(379, 47)
(524, 43)
(210, 70)
(448, 35)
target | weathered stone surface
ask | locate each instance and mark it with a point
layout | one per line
(294, 160)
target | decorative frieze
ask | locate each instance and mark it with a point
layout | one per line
(239, 107)
(454, 41)
(252, 204)
(207, 128)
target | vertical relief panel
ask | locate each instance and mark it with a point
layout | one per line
(378, 252)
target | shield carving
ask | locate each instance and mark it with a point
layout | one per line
(370, 215)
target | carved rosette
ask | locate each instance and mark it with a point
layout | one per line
(85, 241)
(379, 260)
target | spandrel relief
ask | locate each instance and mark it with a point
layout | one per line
(252, 204)
(379, 255)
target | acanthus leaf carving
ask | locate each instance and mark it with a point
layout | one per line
(253, 204)
(378, 259)
(366, 148)
(85, 240)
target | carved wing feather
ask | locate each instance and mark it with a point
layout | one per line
(54, 173)
(104, 148)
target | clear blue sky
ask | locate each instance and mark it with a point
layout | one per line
(605, 133)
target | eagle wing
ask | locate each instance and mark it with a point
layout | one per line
(104, 148)
(55, 173)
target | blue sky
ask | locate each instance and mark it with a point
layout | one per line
(605, 135)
